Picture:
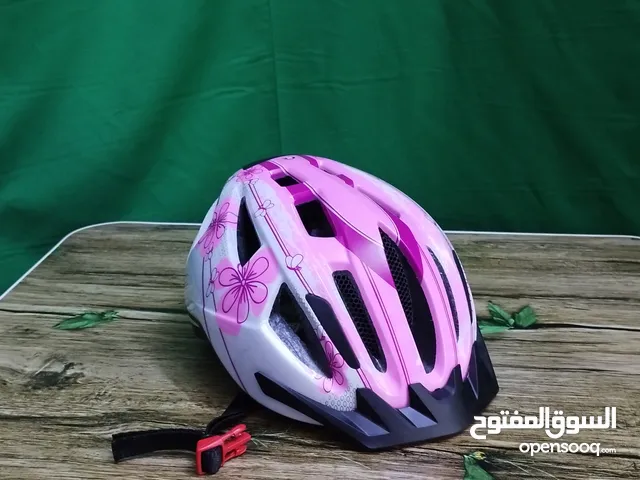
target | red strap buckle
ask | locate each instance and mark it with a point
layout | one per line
(221, 448)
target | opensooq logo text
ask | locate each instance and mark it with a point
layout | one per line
(555, 426)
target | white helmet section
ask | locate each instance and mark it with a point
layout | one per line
(233, 301)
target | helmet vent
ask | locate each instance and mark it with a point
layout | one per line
(464, 283)
(286, 181)
(289, 321)
(447, 287)
(315, 219)
(414, 303)
(358, 312)
(327, 318)
(248, 241)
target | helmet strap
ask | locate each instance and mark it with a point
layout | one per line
(212, 447)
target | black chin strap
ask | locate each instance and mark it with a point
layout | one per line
(212, 448)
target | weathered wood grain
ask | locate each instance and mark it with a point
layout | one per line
(64, 393)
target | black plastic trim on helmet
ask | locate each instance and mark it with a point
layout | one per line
(353, 301)
(447, 287)
(197, 328)
(292, 313)
(247, 236)
(315, 219)
(375, 425)
(414, 302)
(463, 279)
(327, 318)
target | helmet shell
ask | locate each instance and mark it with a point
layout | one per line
(328, 281)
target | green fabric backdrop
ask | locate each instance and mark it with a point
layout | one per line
(495, 115)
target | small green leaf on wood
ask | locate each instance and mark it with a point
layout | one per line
(473, 469)
(499, 316)
(485, 328)
(86, 320)
(525, 317)
(499, 320)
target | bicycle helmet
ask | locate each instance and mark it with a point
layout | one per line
(333, 298)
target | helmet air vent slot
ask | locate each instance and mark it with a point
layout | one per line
(354, 303)
(413, 301)
(292, 325)
(248, 241)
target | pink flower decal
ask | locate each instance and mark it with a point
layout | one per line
(293, 262)
(262, 210)
(244, 287)
(212, 281)
(222, 218)
(336, 362)
(248, 176)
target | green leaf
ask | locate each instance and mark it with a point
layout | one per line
(499, 315)
(86, 320)
(485, 328)
(525, 317)
(472, 470)
(492, 321)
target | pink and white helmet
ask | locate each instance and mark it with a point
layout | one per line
(332, 298)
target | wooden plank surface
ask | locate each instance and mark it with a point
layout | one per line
(64, 393)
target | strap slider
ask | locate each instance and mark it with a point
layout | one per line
(213, 452)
